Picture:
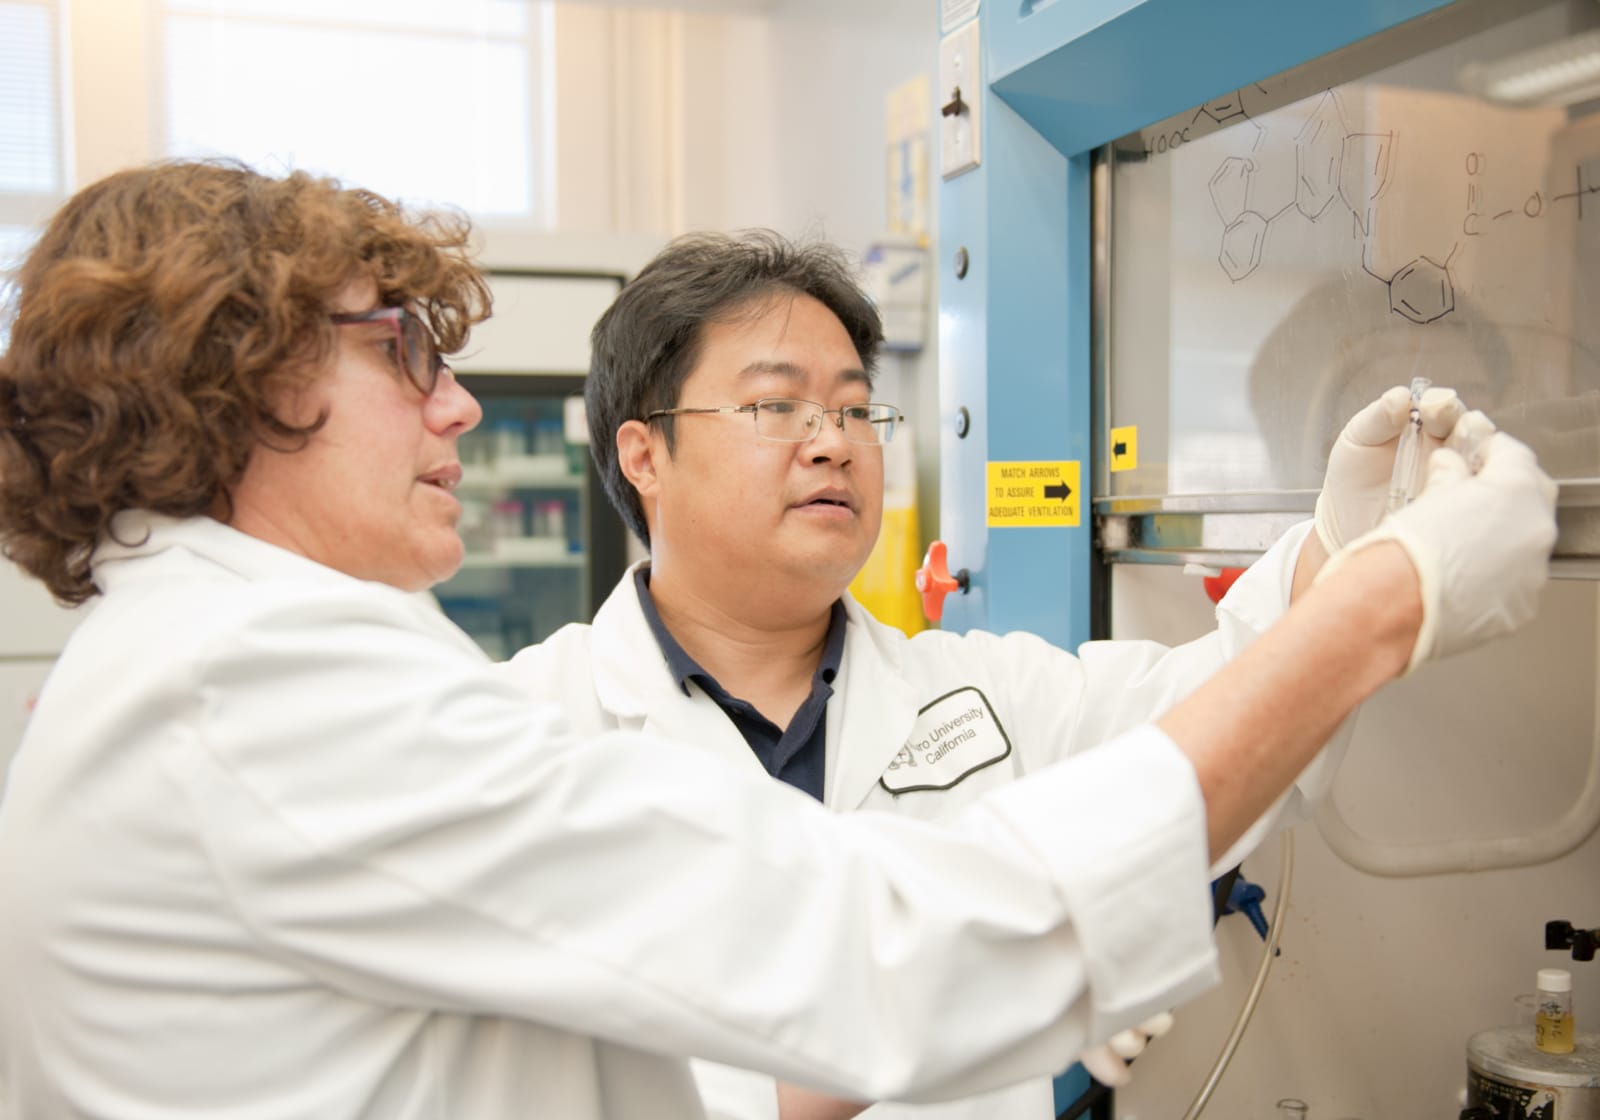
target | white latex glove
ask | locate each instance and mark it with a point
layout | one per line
(1480, 542)
(1108, 1063)
(1355, 491)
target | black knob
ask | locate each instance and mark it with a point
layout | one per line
(1562, 935)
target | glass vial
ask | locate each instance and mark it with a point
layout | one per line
(1410, 458)
(1553, 1028)
(1292, 1108)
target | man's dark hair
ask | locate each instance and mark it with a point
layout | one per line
(648, 340)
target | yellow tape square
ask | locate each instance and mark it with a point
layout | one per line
(1123, 448)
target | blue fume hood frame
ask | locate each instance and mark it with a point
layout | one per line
(1061, 78)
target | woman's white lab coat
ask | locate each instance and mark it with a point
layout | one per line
(280, 843)
(924, 726)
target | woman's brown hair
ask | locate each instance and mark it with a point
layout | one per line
(158, 318)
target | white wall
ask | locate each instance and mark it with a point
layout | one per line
(785, 118)
(1381, 981)
(730, 114)
(32, 631)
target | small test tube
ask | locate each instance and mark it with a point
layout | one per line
(1406, 482)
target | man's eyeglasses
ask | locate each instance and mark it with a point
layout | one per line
(787, 420)
(416, 354)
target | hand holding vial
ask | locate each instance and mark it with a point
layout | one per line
(1370, 459)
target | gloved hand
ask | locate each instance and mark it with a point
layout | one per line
(1480, 542)
(1355, 490)
(1108, 1062)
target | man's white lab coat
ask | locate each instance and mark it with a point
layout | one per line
(923, 727)
(281, 843)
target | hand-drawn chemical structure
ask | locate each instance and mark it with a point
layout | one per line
(1477, 221)
(1331, 164)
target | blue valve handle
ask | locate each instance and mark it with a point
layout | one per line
(1244, 897)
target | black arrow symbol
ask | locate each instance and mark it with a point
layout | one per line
(1118, 450)
(1062, 491)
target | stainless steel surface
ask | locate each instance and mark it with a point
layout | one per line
(1238, 501)
(1232, 530)
(1506, 1072)
(1100, 310)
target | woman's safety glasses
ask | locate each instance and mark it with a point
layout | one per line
(416, 354)
(787, 420)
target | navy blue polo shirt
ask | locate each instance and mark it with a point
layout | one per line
(796, 754)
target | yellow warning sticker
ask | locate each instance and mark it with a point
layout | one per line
(1033, 494)
(1125, 448)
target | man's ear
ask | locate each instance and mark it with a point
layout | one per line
(636, 457)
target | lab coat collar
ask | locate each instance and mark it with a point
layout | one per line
(872, 711)
(635, 686)
(138, 535)
(631, 675)
(872, 706)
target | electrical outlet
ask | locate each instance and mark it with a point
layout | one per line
(960, 95)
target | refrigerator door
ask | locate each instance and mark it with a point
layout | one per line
(543, 546)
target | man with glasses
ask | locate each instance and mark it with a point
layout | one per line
(731, 416)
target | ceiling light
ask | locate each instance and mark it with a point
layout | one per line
(1558, 73)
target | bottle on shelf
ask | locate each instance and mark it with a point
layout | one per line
(510, 439)
(507, 516)
(555, 519)
(547, 439)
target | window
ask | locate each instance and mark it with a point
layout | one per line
(431, 103)
(31, 174)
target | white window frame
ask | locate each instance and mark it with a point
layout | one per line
(29, 208)
(539, 42)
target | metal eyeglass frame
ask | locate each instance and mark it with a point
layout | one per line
(895, 417)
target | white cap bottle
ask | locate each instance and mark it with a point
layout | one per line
(1553, 1028)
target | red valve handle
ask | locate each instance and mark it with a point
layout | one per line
(934, 581)
(1217, 586)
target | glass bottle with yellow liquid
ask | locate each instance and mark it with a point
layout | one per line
(1553, 1028)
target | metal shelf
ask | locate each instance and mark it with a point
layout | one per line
(1233, 530)
(522, 472)
(492, 560)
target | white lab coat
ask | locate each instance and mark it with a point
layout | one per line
(281, 843)
(897, 719)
